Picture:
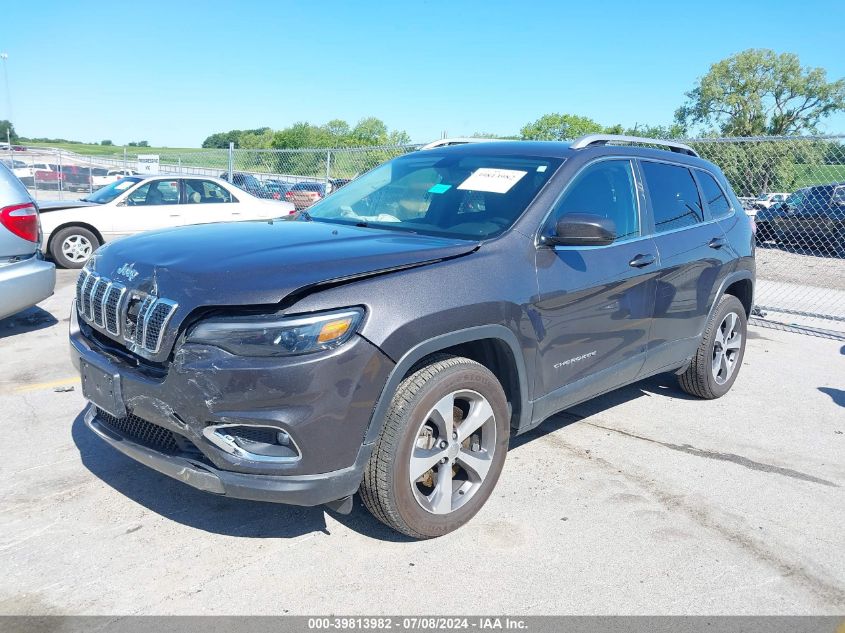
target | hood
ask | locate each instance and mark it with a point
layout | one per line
(254, 263)
(58, 205)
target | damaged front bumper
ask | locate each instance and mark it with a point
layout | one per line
(322, 403)
(305, 490)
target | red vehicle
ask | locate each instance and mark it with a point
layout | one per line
(304, 194)
(46, 179)
(67, 177)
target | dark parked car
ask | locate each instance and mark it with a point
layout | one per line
(277, 188)
(813, 217)
(391, 338)
(337, 183)
(250, 184)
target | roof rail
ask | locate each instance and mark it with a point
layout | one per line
(461, 140)
(604, 139)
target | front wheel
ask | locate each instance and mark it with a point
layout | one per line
(73, 246)
(441, 450)
(716, 363)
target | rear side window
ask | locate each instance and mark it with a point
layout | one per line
(674, 196)
(716, 199)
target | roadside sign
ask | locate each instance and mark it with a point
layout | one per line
(148, 163)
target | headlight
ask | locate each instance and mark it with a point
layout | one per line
(278, 336)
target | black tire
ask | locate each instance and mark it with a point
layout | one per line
(387, 489)
(764, 233)
(699, 378)
(69, 232)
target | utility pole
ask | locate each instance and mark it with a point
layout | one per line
(4, 57)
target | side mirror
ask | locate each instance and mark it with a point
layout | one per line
(583, 229)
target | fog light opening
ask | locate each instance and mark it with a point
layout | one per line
(257, 443)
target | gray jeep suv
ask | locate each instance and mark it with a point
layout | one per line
(393, 337)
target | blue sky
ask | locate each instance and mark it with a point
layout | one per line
(174, 72)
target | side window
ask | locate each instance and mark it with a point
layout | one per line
(605, 189)
(205, 191)
(674, 196)
(716, 199)
(155, 193)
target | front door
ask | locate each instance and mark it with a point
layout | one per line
(595, 303)
(153, 205)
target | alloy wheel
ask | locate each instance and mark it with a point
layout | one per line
(453, 450)
(726, 348)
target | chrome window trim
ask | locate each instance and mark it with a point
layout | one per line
(538, 238)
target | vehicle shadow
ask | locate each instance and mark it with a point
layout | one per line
(179, 502)
(661, 384)
(29, 320)
(837, 395)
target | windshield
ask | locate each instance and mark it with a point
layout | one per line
(763, 196)
(458, 195)
(112, 191)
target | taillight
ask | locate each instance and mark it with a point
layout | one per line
(289, 194)
(276, 196)
(22, 220)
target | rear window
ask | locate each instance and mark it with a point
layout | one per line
(308, 186)
(716, 199)
(674, 196)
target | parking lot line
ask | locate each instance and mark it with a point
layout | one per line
(72, 380)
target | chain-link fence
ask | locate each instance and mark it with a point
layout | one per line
(794, 187)
(795, 190)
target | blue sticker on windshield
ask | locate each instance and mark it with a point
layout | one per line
(441, 188)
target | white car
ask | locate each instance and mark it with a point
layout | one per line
(73, 230)
(767, 201)
(111, 175)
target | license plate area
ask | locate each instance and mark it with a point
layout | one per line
(103, 389)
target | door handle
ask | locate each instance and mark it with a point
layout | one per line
(717, 242)
(641, 261)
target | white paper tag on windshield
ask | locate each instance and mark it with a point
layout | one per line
(492, 180)
(123, 185)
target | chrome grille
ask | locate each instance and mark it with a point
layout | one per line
(140, 319)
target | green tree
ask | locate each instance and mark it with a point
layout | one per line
(676, 130)
(759, 92)
(106, 142)
(338, 129)
(559, 127)
(6, 128)
(369, 131)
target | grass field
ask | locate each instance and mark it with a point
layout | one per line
(807, 175)
(109, 151)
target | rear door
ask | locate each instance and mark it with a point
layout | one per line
(208, 201)
(694, 257)
(595, 303)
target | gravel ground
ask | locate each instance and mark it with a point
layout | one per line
(801, 267)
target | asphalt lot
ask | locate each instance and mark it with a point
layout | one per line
(642, 502)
